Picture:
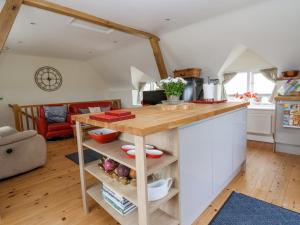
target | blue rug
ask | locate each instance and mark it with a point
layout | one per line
(240, 209)
(89, 156)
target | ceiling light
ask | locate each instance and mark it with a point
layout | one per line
(90, 26)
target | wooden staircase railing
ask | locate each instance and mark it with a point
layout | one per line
(25, 115)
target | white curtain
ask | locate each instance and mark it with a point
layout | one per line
(272, 75)
(226, 78)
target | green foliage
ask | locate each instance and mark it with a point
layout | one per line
(173, 88)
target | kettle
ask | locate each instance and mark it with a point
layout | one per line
(159, 189)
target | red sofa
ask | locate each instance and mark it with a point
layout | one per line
(54, 130)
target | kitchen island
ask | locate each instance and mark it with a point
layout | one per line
(205, 148)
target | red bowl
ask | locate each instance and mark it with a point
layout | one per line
(154, 153)
(131, 154)
(104, 135)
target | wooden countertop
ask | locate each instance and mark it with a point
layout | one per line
(287, 98)
(152, 119)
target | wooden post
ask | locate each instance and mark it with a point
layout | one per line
(18, 117)
(158, 57)
(142, 187)
(7, 18)
(81, 166)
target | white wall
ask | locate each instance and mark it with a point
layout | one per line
(17, 85)
(270, 29)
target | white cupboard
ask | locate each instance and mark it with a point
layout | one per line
(211, 154)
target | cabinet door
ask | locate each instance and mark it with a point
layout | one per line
(239, 138)
(196, 178)
(222, 151)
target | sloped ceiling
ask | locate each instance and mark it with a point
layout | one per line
(270, 29)
(248, 61)
(52, 35)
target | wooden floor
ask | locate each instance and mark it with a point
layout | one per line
(51, 195)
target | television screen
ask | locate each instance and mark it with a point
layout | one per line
(153, 97)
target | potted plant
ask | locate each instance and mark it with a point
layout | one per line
(173, 88)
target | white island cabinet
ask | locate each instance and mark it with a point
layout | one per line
(212, 152)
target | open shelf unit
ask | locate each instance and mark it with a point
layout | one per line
(163, 211)
(113, 151)
(132, 218)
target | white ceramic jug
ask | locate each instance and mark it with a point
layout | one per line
(159, 189)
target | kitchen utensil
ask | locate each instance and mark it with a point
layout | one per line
(159, 189)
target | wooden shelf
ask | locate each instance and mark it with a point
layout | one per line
(113, 151)
(287, 78)
(127, 191)
(158, 217)
(130, 219)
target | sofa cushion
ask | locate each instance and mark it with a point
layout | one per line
(105, 108)
(55, 114)
(74, 108)
(58, 126)
(94, 109)
(84, 111)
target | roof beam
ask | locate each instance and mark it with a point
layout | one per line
(7, 18)
(42, 4)
(11, 9)
(158, 58)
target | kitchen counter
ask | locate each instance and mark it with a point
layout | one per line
(152, 119)
(204, 149)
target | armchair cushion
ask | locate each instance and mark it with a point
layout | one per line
(6, 131)
(58, 126)
(17, 137)
(55, 114)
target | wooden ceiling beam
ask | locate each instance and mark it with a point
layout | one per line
(42, 4)
(11, 9)
(8, 15)
(158, 58)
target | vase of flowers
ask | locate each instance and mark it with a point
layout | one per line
(173, 88)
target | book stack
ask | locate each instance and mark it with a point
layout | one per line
(119, 203)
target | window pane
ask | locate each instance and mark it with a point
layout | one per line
(262, 85)
(238, 84)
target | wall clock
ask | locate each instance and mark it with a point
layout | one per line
(48, 78)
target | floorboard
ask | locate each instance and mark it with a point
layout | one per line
(51, 195)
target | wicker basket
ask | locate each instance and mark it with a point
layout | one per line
(190, 72)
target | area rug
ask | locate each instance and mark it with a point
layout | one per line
(241, 209)
(89, 156)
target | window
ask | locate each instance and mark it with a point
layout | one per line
(250, 82)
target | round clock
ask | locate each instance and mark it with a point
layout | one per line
(48, 78)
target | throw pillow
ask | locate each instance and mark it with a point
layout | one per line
(94, 109)
(56, 114)
(105, 108)
(84, 111)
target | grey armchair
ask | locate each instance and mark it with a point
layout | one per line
(20, 151)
